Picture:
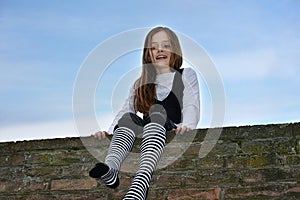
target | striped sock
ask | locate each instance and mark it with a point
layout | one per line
(120, 146)
(153, 142)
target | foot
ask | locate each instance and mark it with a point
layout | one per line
(102, 172)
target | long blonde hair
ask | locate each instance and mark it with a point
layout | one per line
(145, 92)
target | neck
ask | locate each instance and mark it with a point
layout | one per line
(163, 69)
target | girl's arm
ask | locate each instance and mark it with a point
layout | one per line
(191, 100)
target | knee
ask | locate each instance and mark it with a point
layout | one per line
(131, 121)
(125, 120)
(158, 114)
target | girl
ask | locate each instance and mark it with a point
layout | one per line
(168, 97)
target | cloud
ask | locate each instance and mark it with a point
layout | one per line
(41, 130)
(52, 129)
(257, 64)
(262, 111)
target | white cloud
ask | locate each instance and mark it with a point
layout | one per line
(51, 129)
(41, 130)
(262, 111)
(256, 64)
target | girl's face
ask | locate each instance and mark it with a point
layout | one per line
(161, 51)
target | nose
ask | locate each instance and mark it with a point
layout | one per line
(160, 48)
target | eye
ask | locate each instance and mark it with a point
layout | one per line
(167, 46)
(154, 47)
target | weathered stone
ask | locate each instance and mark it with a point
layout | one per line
(44, 172)
(10, 186)
(181, 164)
(292, 160)
(257, 132)
(264, 160)
(12, 160)
(261, 191)
(36, 186)
(166, 179)
(57, 158)
(63, 143)
(195, 193)
(225, 148)
(12, 173)
(210, 162)
(73, 184)
(155, 194)
(212, 177)
(249, 162)
(276, 145)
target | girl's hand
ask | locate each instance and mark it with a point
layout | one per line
(100, 135)
(182, 129)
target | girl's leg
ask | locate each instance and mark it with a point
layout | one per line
(120, 146)
(153, 142)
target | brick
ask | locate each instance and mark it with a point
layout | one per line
(154, 194)
(225, 148)
(176, 149)
(180, 164)
(117, 195)
(54, 196)
(38, 158)
(252, 176)
(275, 190)
(194, 193)
(215, 148)
(258, 195)
(250, 162)
(62, 143)
(294, 189)
(296, 130)
(11, 173)
(293, 192)
(44, 172)
(33, 196)
(269, 175)
(12, 160)
(257, 132)
(253, 161)
(10, 186)
(210, 162)
(84, 195)
(75, 171)
(259, 161)
(36, 186)
(213, 177)
(237, 161)
(166, 180)
(193, 150)
(58, 157)
(275, 145)
(125, 180)
(131, 164)
(200, 135)
(74, 184)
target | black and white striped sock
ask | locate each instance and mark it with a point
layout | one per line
(153, 142)
(120, 146)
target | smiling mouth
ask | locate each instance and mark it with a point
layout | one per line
(161, 57)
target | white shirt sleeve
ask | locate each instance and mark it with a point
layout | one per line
(128, 106)
(191, 99)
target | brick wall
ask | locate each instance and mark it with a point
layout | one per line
(250, 162)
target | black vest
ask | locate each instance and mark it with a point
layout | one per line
(173, 102)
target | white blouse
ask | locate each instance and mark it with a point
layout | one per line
(191, 98)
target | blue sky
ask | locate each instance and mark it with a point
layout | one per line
(254, 44)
